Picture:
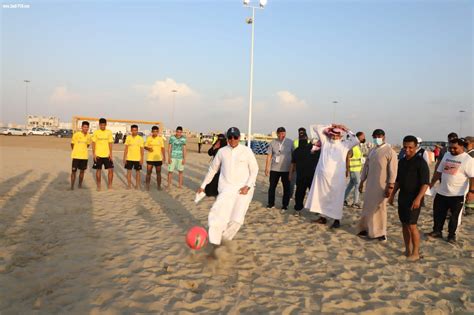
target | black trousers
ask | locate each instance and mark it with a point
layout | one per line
(199, 147)
(274, 179)
(303, 183)
(441, 205)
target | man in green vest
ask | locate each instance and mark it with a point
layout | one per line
(301, 134)
(353, 168)
(199, 142)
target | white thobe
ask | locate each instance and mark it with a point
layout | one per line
(238, 168)
(326, 195)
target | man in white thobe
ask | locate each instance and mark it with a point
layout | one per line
(326, 195)
(237, 179)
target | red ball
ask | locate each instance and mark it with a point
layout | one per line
(196, 238)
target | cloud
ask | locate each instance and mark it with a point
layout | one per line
(290, 101)
(62, 95)
(162, 91)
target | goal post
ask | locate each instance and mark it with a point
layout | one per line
(77, 119)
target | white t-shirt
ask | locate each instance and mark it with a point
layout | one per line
(456, 170)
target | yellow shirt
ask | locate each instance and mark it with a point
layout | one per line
(102, 138)
(81, 142)
(156, 144)
(134, 148)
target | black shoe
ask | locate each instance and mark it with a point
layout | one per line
(435, 234)
(336, 224)
(321, 220)
(382, 238)
(452, 239)
(270, 206)
(363, 233)
(284, 208)
(346, 203)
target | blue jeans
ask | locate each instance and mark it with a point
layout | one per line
(354, 182)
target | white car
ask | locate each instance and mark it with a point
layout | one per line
(39, 131)
(15, 132)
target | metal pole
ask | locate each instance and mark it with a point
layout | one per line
(26, 103)
(174, 104)
(460, 122)
(251, 81)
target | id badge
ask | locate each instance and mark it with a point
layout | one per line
(277, 159)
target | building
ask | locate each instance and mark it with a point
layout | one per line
(49, 122)
(65, 125)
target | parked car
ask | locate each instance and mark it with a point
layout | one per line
(63, 133)
(40, 131)
(2, 129)
(15, 132)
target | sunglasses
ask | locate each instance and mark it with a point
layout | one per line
(233, 138)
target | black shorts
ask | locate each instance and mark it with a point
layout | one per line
(405, 213)
(79, 164)
(106, 162)
(154, 163)
(129, 165)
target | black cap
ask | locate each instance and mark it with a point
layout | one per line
(233, 132)
(378, 132)
(300, 129)
(281, 129)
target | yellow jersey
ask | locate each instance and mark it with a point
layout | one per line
(80, 141)
(102, 138)
(134, 145)
(156, 144)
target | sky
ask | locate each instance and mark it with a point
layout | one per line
(403, 66)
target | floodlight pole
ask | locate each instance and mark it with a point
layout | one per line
(461, 112)
(251, 21)
(26, 102)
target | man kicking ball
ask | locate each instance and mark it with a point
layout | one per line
(239, 171)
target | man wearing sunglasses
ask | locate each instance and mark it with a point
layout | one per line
(239, 170)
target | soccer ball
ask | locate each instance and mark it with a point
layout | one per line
(196, 238)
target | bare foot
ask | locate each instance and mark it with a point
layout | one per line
(98, 189)
(72, 188)
(413, 257)
(406, 253)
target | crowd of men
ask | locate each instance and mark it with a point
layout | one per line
(133, 155)
(334, 164)
(328, 167)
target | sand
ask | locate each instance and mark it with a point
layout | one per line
(121, 251)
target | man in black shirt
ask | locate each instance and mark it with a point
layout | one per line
(470, 146)
(444, 149)
(304, 162)
(413, 178)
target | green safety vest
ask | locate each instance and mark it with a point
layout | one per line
(296, 143)
(355, 162)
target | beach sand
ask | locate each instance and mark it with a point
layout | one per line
(123, 251)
